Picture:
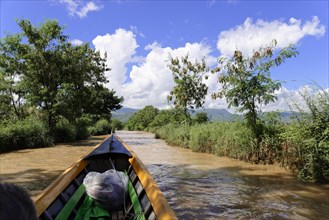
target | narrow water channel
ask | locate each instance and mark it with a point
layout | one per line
(203, 186)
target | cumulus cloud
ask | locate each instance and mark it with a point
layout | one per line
(150, 80)
(250, 36)
(292, 99)
(288, 100)
(120, 48)
(80, 8)
(76, 42)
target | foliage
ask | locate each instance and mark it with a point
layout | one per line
(116, 124)
(27, 133)
(172, 116)
(200, 118)
(307, 139)
(101, 127)
(141, 119)
(101, 102)
(174, 134)
(247, 84)
(11, 68)
(222, 138)
(189, 91)
(43, 68)
(271, 145)
(65, 131)
(82, 125)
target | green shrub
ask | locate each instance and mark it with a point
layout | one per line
(222, 138)
(65, 131)
(231, 139)
(202, 139)
(141, 119)
(116, 124)
(101, 127)
(200, 118)
(174, 135)
(82, 125)
(26, 133)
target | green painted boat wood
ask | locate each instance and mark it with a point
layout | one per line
(70, 205)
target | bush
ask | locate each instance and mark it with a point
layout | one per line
(116, 124)
(172, 116)
(82, 125)
(141, 119)
(174, 135)
(200, 118)
(101, 127)
(65, 131)
(26, 133)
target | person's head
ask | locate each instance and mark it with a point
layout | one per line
(15, 203)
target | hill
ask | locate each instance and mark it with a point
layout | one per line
(218, 114)
(124, 114)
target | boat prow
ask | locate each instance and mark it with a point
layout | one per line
(64, 197)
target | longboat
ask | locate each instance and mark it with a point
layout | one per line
(63, 198)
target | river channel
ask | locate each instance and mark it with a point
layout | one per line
(203, 186)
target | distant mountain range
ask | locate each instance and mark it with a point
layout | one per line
(124, 114)
(213, 114)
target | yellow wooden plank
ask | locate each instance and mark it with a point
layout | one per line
(54, 189)
(159, 203)
(47, 196)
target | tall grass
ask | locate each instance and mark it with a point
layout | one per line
(306, 140)
(173, 134)
(302, 145)
(221, 138)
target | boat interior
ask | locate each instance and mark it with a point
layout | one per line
(111, 154)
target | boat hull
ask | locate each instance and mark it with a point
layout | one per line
(55, 199)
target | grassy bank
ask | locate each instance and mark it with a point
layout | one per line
(286, 144)
(33, 132)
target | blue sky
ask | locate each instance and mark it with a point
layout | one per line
(139, 35)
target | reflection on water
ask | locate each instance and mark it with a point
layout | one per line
(202, 186)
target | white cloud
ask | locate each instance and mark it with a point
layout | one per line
(76, 42)
(120, 48)
(135, 30)
(250, 36)
(151, 80)
(80, 8)
(287, 99)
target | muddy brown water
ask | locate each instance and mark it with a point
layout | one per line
(203, 186)
(196, 185)
(35, 169)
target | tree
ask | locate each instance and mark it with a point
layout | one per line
(55, 76)
(116, 124)
(189, 91)
(173, 116)
(11, 69)
(141, 119)
(247, 83)
(201, 117)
